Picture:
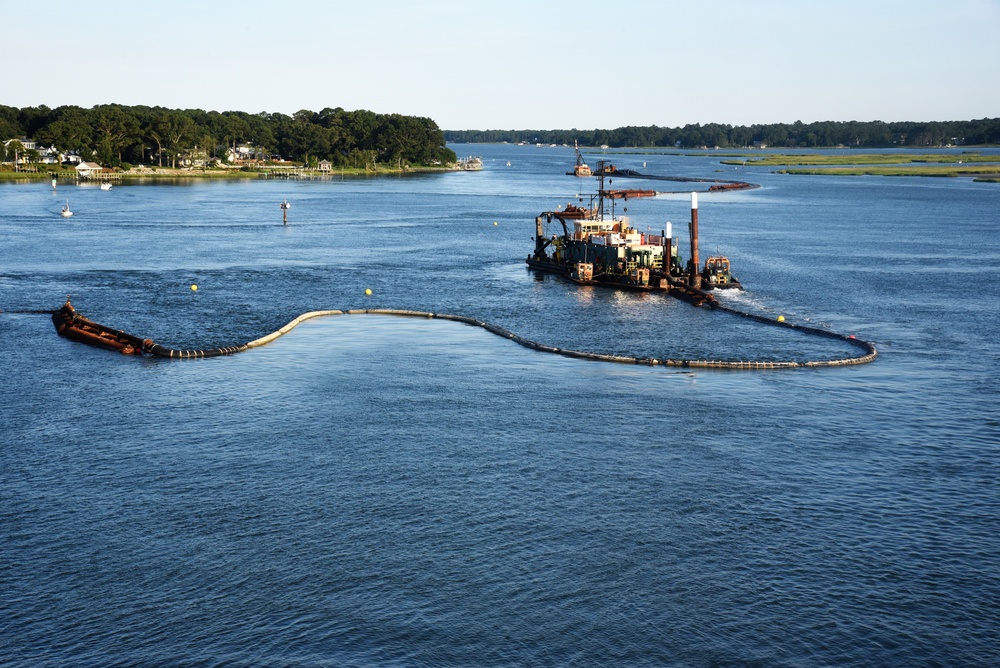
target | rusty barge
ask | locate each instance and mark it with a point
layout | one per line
(75, 327)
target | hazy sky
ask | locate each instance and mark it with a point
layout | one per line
(515, 64)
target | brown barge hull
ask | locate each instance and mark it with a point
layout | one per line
(674, 287)
(75, 327)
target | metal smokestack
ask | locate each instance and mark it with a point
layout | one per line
(695, 277)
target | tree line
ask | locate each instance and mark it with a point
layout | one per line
(115, 135)
(871, 134)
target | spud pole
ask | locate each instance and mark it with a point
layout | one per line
(695, 278)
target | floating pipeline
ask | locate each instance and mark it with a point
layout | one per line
(719, 185)
(730, 185)
(627, 193)
(74, 326)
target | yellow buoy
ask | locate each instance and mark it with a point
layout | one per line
(781, 318)
(494, 222)
(368, 291)
(194, 287)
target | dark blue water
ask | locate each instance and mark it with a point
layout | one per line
(380, 491)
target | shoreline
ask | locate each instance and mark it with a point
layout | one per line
(171, 174)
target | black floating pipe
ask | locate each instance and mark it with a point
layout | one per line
(696, 296)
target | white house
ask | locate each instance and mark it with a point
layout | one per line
(28, 144)
(48, 156)
(243, 153)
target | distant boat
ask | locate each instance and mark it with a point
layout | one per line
(105, 186)
(581, 168)
(470, 164)
(66, 213)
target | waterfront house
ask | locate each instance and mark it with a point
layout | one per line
(20, 155)
(28, 144)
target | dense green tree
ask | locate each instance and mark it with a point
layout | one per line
(68, 129)
(305, 139)
(31, 119)
(177, 131)
(363, 125)
(873, 134)
(10, 126)
(114, 132)
(115, 128)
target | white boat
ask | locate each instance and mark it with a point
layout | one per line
(105, 186)
(66, 213)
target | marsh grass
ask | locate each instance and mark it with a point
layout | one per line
(862, 159)
(924, 170)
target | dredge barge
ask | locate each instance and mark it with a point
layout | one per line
(589, 247)
(580, 168)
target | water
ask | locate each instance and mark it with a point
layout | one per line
(380, 491)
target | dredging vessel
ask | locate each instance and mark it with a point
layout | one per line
(580, 168)
(591, 246)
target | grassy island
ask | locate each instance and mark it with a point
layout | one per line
(982, 167)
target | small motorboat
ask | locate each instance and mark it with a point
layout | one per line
(66, 213)
(106, 186)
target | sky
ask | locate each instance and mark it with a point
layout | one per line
(514, 64)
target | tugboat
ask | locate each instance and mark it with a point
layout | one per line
(589, 248)
(717, 275)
